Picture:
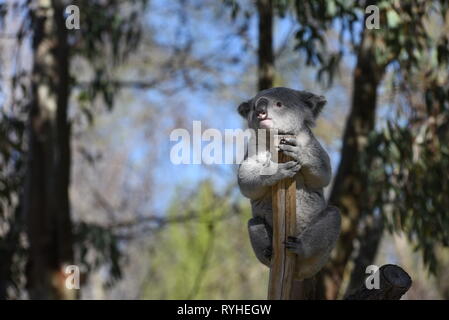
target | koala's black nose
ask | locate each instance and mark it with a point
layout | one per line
(261, 108)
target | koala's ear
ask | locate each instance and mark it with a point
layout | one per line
(244, 108)
(315, 102)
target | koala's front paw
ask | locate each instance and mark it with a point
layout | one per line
(289, 147)
(288, 169)
(278, 171)
(295, 245)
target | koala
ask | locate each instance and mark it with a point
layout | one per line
(290, 112)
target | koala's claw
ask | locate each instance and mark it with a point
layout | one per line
(293, 244)
(289, 150)
(288, 165)
(289, 141)
(268, 253)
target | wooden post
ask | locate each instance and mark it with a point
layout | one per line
(284, 224)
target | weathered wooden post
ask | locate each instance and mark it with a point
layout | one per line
(284, 225)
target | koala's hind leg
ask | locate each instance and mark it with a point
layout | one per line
(261, 239)
(318, 239)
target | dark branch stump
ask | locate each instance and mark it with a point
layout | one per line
(394, 283)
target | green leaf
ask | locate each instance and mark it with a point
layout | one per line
(393, 19)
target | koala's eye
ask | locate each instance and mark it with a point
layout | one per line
(278, 104)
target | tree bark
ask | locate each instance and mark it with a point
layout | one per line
(394, 282)
(348, 191)
(265, 51)
(46, 201)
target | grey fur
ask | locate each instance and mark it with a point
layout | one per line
(318, 225)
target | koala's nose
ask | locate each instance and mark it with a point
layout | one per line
(261, 115)
(261, 108)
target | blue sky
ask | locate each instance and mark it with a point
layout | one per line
(209, 37)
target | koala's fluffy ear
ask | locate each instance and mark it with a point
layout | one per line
(315, 102)
(244, 109)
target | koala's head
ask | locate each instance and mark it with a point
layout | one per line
(282, 109)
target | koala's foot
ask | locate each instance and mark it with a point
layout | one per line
(295, 245)
(314, 245)
(261, 240)
(318, 239)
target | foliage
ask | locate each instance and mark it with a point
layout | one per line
(110, 31)
(410, 156)
(402, 37)
(206, 258)
(12, 250)
(96, 247)
(407, 178)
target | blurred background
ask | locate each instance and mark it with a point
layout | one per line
(86, 115)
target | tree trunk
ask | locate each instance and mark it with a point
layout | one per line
(46, 200)
(348, 192)
(265, 52)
